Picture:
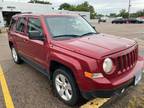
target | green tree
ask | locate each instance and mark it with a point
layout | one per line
(65, 6)
(40, 2)
(99, 16)
(92, 12)
(81, 7)
(138, 14)
(123, 13)
(113, 15)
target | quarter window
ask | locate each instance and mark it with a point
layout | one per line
(12, 24)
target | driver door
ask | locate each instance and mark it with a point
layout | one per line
(36, 50)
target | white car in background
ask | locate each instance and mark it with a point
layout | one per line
(140, 19)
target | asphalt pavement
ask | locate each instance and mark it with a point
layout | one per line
(30, 89)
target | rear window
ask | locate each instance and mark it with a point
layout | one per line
(21, 25)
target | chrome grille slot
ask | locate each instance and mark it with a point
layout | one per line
(127, 61)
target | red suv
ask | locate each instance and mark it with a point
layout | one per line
(76, 58)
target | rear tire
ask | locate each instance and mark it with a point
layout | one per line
(65, 86)
(15, 56)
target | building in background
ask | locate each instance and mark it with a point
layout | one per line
(8, 9)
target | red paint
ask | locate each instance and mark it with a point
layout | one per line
(84, 54)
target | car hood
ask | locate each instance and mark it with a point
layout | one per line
(97, 45)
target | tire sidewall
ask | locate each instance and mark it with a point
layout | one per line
(75, 91)
(18, 61)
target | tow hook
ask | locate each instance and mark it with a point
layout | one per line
(120, 92)
(123, 90)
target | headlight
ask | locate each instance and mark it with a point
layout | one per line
(107, 65)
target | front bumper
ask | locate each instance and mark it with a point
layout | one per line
(108, 92)
(103, 87)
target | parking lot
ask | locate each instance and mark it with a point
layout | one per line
(30, 89)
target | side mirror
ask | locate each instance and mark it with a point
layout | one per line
(36, 35)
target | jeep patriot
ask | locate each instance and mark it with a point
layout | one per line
(79, 61)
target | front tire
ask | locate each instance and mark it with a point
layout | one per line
(15, 56)
(65, 86)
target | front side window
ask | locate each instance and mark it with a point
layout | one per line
(21, 25)
(34, 25)
(68, 26)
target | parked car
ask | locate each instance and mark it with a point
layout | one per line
(140, 20)
(76, 58)
(134, 21)
(103, 19)
(119, 21)
(129, 21)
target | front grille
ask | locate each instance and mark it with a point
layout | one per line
(125, 62)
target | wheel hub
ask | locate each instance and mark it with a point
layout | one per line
(63, 87)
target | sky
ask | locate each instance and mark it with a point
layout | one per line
(100, 6)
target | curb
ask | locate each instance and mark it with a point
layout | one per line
(96, 103)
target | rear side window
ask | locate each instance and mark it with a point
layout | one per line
(12, 24)
(34, 25)
(21, 25)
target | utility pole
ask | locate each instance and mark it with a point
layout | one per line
(129, 8)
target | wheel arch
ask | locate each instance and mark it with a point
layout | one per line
(55, 65)
(10, 44)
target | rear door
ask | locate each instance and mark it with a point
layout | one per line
(19, 35)
(11, 31)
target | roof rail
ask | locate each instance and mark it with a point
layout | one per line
(26, 13)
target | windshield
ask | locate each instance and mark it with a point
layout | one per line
(68, 26)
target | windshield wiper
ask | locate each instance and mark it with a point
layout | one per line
(67, 35)
(89, 33)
